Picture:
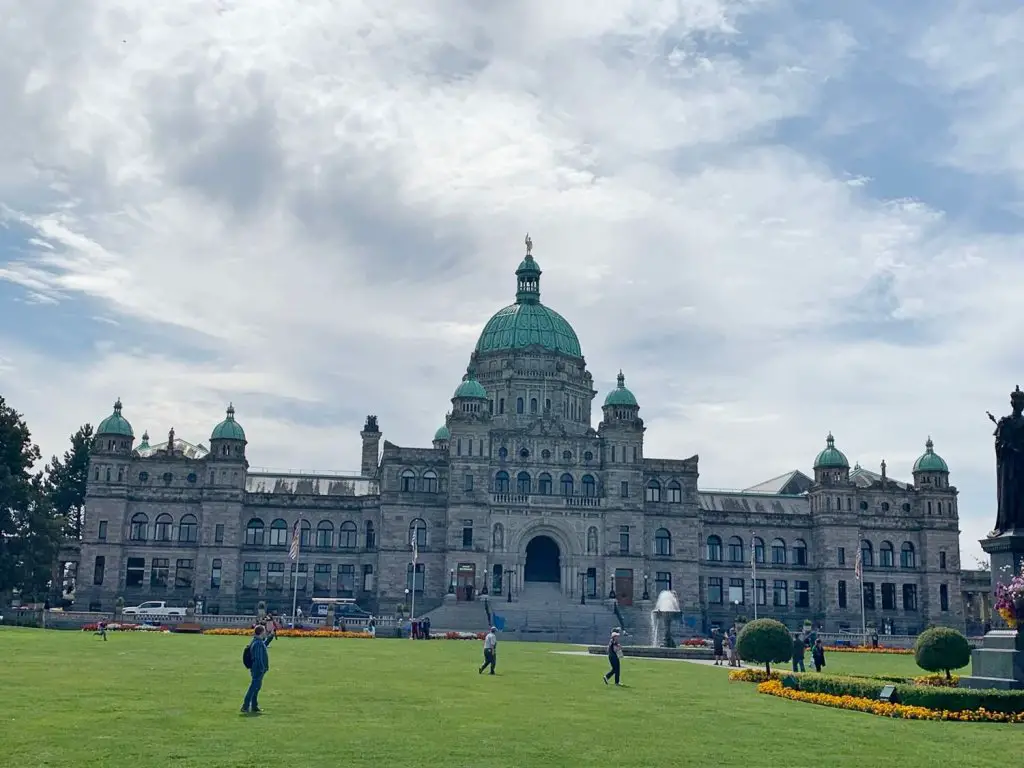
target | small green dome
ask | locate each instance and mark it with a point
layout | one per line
(831, 457)
(229, 429)
(470, 388)
(930, 461)
(145, 442)
(115, 423)
(442, 434)
(620, 395)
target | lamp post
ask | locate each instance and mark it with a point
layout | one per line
(451, 582)
(583, 588)
(511, 575)
(611, 586)
(647, 595)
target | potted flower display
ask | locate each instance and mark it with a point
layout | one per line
(1010, 601)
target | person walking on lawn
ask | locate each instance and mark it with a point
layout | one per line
(258, 664)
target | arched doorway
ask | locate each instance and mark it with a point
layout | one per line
(542, 560)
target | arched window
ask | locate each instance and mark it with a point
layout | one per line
(162, 527)
(140, 523)
(799, 552)
(544, 484)
(867, 553)
(714, 549)
(498, 538)
(653, 491)
(430, 481)
(662, 542)
(589, 486)
(886, 555)
(735, 549)
(188, 529)
(408, 481)
(324, 534)
(778, 552)
(908, 557)
(371, 536)
(675, 493)
(348, 535)
(279, 533)
(592, 541)
(305, 532)
(567, 484)
(418, 533)
(254, 533)
(533, 405)
(758, 550)
(501, 482)
(523, 484)
(519, 405)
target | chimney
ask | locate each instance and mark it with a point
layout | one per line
(371, 447)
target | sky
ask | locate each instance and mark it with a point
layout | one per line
(778, 219)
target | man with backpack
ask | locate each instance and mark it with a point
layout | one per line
(257, 660)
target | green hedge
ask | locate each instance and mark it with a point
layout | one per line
(931, 697)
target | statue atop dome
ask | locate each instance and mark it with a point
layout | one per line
(529, 244)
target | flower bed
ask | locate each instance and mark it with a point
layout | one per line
(120, 627)
(868, 649)
(695, 642)
(458, 636)
(291, 632)
(885, 709)
(750, 675)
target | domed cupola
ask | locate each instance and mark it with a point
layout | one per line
(114, 434)
(528, 323)
(227, 441)
(442, 437)
(930, 469)
(831, 464)
(620, 404)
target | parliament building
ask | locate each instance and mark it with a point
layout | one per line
(518, 487)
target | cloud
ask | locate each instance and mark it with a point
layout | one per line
(312, 210)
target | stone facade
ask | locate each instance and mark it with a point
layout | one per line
(518, 486)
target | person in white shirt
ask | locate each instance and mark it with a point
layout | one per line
(490, 651)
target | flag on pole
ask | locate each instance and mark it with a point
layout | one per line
(415, 549)
(293, 550)
(858, 566)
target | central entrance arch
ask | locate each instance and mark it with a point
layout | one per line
(543, 560)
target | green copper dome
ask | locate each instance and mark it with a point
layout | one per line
(930, 461)
(831, 457)
(471, 388)
(229, 429)
(620, 395)
(442, 434)
(116, 424)
(528, 322)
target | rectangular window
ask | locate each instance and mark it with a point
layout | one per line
(780, 593)
(736, 591)
(841, 555)
(634, 454)
(346, 580)
(761, 592)
(160, 572)
(802, 594)
(251, 576)
(102, 534)
(943, 597)
(652, 492)
(275, 576)
(458, 447)
(613, 454)
(800, 555)
(184, 574)
(778, 553)
(468, 483)
(303, 577)
(910, 598)
(623, 539)
(321, 578)
(98, 569)
(624, 489)
(888, 597)
(675, 494)
(419, 574)
(715, 590)
(467, 536)
(841, 594)
(942, 560)
(367, 578)
(136, 572)
(869, 596)
(305, 532)
(215, 574)
(218, 534)
(885, 557)
(470, 445)
(662, 581)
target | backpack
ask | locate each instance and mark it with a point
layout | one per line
(247, 656)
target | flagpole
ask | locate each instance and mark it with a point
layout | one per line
(753, 571)
(859, 569)
(412, 592)
(296, 546)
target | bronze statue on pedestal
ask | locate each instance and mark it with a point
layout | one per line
(1009, 441)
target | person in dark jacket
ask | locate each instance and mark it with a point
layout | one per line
(798, 653)
(614, 659)
(818, 655)
(260, 667)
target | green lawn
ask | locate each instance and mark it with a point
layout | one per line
(70, 699)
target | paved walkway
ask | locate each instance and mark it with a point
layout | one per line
(705, 662)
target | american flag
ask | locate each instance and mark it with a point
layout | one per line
(293, 550)
(858, 566)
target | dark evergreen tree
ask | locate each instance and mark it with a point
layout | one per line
(66, 480)
(19, 495)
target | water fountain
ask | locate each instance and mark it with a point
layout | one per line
(666, 608)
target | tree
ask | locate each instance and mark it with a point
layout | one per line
(66, 481)
(941, 649)
(983, 564)
(765, 641)
(18, 491)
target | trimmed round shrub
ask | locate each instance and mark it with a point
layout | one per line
(765, 641)
(941, 649)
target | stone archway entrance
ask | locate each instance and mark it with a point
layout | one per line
(543, 561)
